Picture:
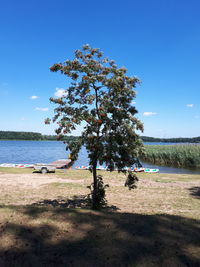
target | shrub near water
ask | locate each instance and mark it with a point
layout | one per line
(174, 155)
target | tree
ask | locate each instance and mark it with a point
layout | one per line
(100, 98)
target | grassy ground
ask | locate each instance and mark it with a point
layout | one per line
(45, 221)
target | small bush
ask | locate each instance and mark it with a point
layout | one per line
(100, 197)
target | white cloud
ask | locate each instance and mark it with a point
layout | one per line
(22, 119)
(34, 97)
(60, 92)
(149, 113)
(133, 102)
(42, 109)
(190, 105)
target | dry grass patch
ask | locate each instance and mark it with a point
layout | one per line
(42, 223)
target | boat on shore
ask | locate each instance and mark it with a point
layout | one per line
(13, 165)
(146, 170)
(58, 164)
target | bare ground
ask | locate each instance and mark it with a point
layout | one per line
(155, 193)
(44, 221)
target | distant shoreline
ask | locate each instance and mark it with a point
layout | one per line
(155, 141)
(34, 136)
(50, 140)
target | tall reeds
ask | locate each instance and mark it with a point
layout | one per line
(187, 155)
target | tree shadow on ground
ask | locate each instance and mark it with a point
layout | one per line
(49, 235)
(195, 191)
(80, 201)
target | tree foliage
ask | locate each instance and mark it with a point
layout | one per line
(100, 99)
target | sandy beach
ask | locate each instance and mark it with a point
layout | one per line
(31, 180)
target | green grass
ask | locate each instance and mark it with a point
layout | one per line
(185, 156)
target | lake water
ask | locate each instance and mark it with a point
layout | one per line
(47, 151)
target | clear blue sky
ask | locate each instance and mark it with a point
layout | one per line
(157, 40)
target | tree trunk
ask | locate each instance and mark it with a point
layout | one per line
(95, 203)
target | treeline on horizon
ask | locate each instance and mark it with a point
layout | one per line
(171, 140)
(14, 135)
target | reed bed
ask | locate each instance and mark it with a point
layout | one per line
(185, 156)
